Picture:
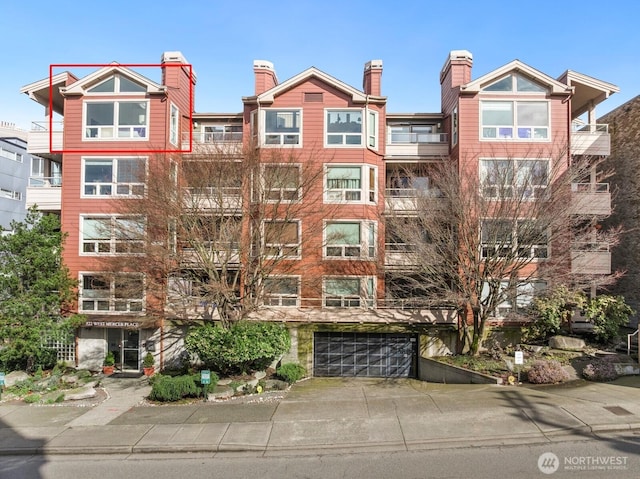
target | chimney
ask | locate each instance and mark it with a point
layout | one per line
(371, 81)
(265, 76)
(457, 69)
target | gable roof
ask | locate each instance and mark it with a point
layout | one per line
(40, 90)
(589, 91)
(80, 87)
(555, 86)
(357, 96)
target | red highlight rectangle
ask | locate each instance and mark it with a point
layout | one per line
(135, 151)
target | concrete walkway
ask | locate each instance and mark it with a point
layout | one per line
(344, 415)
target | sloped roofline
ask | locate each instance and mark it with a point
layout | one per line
(78, 88)
(556, 86)
(356, 95)
(571, 77)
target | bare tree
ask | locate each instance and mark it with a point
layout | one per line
(490, 233)
(213, 226)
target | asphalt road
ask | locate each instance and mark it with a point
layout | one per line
(613, 456)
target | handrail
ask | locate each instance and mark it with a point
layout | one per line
(629, 336)
(590, 187)
(579, 127)
(45, 181)
(44, 126)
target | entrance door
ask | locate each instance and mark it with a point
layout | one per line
(125, 345)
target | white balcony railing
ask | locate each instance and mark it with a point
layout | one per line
(590, 258)
(590, 139)
(590, 199)
(41, 139)
(45, 192)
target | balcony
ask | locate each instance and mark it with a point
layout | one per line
(590, 258)
(590, 199)
(45, 192)
(406, 144)
(591, 140)
(39, 137)
(409, 199)
(214, 142)
(214, 198)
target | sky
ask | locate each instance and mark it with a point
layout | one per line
(413, 38)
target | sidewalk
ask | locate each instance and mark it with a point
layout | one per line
(344, 415)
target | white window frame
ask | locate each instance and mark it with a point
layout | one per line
(518, 300)
(284, 138)
(109, 246)
(11, 155)
(364, 133)
(174, 124)
(102, 129)
(282, 247)
(10, 194)
(294, 194)
(282, 300)
(108, 187)
(366, 248)
(110, 299)
(366, 298)
(367, 193)
(515, 188)
(515, 127)
(536, 252)
(116, 87)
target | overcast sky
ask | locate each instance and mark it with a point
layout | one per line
(412, 38)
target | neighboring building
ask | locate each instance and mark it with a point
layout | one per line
(15, 164)
(332, 293)
(624, 128)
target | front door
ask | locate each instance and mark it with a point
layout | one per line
(125, 345)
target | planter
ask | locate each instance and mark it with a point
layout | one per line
(148, 371)
(108, 370)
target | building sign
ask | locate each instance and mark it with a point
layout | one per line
(111, 324)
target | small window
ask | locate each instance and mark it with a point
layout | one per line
(281, 183)
(174, 122)
(114, 176)
(282, 239)
(313, 97)
(281, 291)
(117, 293)
(282, 127)
(346, 183)
(350, 240)
(349, 292)
(343, 128)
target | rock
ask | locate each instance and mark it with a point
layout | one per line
(259, 374)
(224, 382)
(567, 343)
(276, 384)
(626, 369)
(15, 377)
(220, 393)
(84, 393)
(70, 379)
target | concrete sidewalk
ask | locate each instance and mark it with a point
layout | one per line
(344, 415)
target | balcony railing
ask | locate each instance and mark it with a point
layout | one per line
(417, 144)
(590, 139)
(590, 258)
(422, 138)
(403, 199)
(590, 199)
(45, 192)
(40, 136)
(228, 142)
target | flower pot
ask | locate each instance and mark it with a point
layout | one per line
(148, 371)
(108, 370)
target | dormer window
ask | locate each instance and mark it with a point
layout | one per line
(515, 84)
(118, 84)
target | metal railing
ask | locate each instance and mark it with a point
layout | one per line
(411, 138)
(591, 246)
(578, 127)
(629, 336)
(590, 187)
(44, 126)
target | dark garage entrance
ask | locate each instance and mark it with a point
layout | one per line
(365, 355)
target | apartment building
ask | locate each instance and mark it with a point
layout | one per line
(311, 169)
(14, 172)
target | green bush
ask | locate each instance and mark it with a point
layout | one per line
(242, 347)
(608, 314)
(168, 389)
(547, 372)
(32, 398)
(548, 312)
(291, 372)
(209, 387)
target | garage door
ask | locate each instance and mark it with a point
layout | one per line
(365, 355)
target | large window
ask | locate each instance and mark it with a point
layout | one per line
(351, 183)
(114, 176)
(515, 298)
(174, 125)
(349, 292)
(514, 178)
(507, 238)
(282, 127)
(344, 127)
(350, 239)
(220, 133)
(120, 120)
(281, 182)
(282, 239)
(112, 235)
(515, 120)
(402, 133)
(119, 293)
(281, 291)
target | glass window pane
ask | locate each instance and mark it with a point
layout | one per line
(497, 113)
(130, 170)
(96, 228)
(287, 121)
(98, 172)
(524, 84)
(533, 113)
(99, 114)
(127, 85)
(107, 86)
(346, 121)
(342, 287)
(343, 233)
(132, 113)
(506, 84)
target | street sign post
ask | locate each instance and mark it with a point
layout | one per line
(205, 380)
(519, 361)
(1, 383)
